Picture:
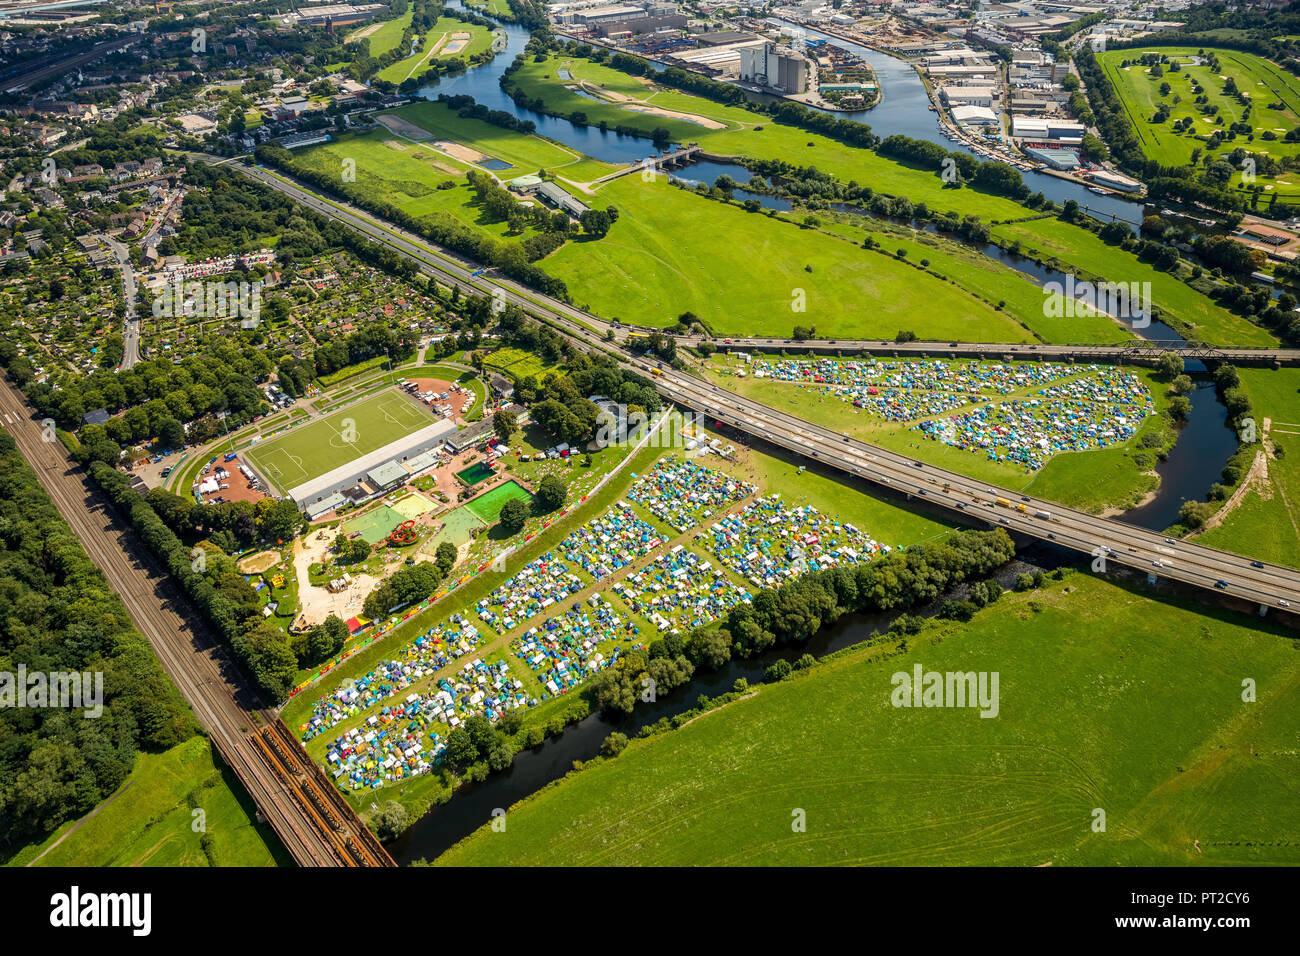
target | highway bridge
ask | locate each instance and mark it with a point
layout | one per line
(1107, 541)
(1141, 352)
(292, 793)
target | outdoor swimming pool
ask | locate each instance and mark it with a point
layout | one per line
(487, 507)
(475, 474)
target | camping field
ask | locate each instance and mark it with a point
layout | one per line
(1272, 93)
(1094, 480)
(309, 451)
(1106, 702)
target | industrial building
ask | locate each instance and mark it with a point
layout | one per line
(774, 67)
(1047, 129)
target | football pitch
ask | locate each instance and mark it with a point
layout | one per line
(312, 450)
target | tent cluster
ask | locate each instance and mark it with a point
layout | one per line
(767, 542)
(423, 657)
(680, 492)
(908, 391)
(1030, 431)
(566, 649)
(679, 591)
(539, 584)
(606, 544)
(388, 747)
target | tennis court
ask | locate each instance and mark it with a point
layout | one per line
(309, 451)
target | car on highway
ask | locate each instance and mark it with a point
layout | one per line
(1052, 535)
(1004, 521)
(1170, 541)
(1221, 584)
(1257, 564)
(1157, 563)
(1283, 602)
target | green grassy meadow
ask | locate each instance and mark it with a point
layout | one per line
(1266, 525)
(1103, 704)
(672, 252)
(151, 820)
(434, 46)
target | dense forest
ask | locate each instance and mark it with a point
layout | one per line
(60, 615)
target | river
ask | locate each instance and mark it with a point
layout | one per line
(1203, 448)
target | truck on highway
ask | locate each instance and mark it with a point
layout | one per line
(1003, 503)
(1045, 515)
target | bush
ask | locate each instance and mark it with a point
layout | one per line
(614, 745)
(390, 820)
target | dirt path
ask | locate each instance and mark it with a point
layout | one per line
(80, 823)
(1256, 478)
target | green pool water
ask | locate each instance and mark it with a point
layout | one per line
(487, 507)
(475, 474)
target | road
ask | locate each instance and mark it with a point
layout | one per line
(316, 826)
(970, 500)
(130, 291)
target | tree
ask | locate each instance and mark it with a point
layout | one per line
(613, 745)
(514, 514)
(595, 222)
(552, 493)
(1179, 407)
(390, 820)
(504, 425)
(1169, 365)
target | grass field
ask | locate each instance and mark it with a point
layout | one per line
(151, 820)
(1103, 704)
(672, 251)
(749, 134)
(1200, 316)
(1272, 93)
(525, 154)
(309, 451)
(438, 45)
(1266, 525)
(388, 35)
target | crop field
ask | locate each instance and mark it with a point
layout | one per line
(1081, 664)
(1272, 94)
(309, 451)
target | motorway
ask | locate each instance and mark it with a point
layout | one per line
(449, 266)
(1106, 540)
(292, 794)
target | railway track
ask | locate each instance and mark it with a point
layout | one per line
(224, 703)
